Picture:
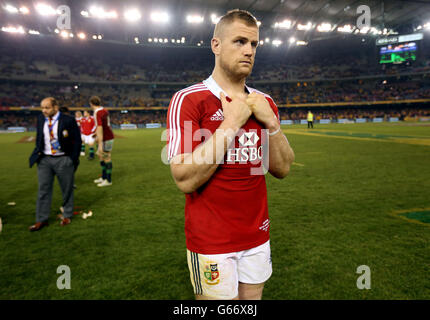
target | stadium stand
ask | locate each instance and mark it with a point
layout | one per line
(334, 80)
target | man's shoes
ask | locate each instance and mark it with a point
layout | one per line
(38, 226)
(99, 180)
(104, 183)
(65, 221)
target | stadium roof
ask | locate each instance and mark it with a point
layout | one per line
(296, 18)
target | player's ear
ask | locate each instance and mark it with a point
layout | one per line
(216, 45)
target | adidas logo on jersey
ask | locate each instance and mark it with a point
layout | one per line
(218, 116)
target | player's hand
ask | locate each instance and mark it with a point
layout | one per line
(236, 112)
(262, 111)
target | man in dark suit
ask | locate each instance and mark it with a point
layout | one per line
(58, 144)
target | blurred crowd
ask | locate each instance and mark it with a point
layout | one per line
(28, 119)
(292, 93)
(190, 68)
(149, 79)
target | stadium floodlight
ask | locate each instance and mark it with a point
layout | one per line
(149, 39)
(45, 9)
(364, 30)
(24, 10)
(178, 41)
(261, 42)
(286, 24)
(324, 27)
(161, 17)
(82, 36)
(99, 37)
(195, 19)
(132, 15)
(100, 13)
(292, 40)
(301, 43)
(34, 32)
(64, 34)
(267, 40)
(215, 18)
(155, 39)
(427, 26)
(94, 37)
(166, 40)
(173, 40)
(346, 29)
(258, 23)
(276, 42)
(183, 40)
(18, 29)
(304, 27)
(375, 31)
(85, 13)
(11, 9)
(136, 40)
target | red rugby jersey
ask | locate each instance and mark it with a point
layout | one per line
(101, 116)
(229, 213)
(88, 126)
(78, 122)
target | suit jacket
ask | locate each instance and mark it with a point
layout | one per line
(69, 137)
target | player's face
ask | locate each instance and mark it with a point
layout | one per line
(48, 109)
(238, 47)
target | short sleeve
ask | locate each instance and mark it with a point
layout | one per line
(98, 119)
(183, 129)
(274, 107)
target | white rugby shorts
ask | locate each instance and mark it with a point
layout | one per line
(218, 275)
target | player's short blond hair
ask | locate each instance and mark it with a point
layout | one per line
(234, 15)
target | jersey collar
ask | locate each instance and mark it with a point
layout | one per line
(213, 87)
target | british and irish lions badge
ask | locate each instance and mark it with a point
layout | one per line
(211, 273)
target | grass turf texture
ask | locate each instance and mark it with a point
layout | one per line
(333, 213)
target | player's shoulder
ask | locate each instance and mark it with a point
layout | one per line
(260, 92)
(100, 111)
(195, 91)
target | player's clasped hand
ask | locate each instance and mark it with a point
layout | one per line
(237, 112)
(261, 109)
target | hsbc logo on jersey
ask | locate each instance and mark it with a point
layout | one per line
(248, 150)
(248, 139)
(244, 147)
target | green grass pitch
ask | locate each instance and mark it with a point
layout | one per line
(343, 205)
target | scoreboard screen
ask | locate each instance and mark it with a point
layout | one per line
(398, 53)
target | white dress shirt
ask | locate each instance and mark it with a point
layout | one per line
(47, 137)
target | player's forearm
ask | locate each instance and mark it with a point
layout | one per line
(99, 133)
(281, 155)
(191, 171)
